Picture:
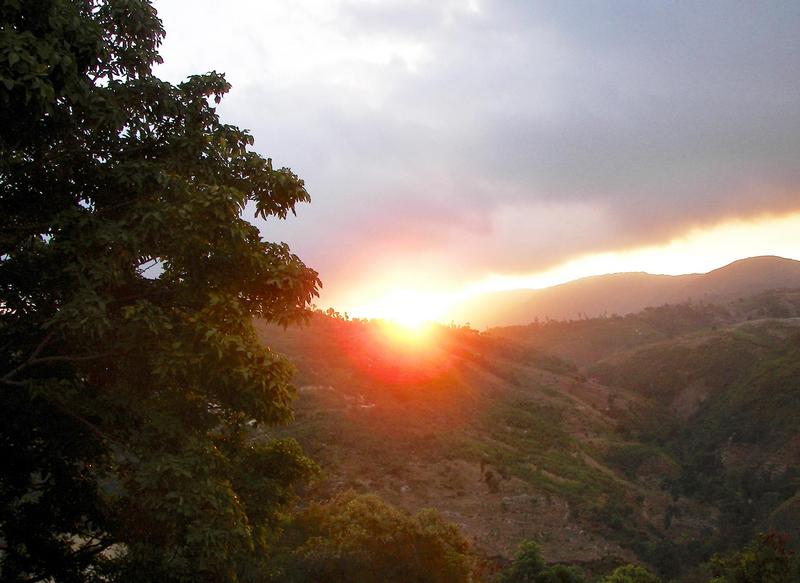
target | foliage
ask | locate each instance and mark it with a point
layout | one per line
(528, 562)
(129, 368)
(359, 538)
(765, 560)
(631, 574)
(529, 567)
(660, 370)
(749, 377)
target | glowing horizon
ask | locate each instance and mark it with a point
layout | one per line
(457, 148)
(699, 251)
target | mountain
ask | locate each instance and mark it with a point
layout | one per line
(661, 436)
(625, 293)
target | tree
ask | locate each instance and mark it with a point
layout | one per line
(767, 559)
(130, 372)
(361, 539)
(529, 567)
(631, 574)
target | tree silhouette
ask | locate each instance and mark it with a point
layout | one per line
(130, 372)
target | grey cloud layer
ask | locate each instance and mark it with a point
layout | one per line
(598, 125)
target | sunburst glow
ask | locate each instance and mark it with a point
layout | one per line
(410, 311)
(697, 251)
(414, 335)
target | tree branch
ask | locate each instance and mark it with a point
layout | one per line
(32, 357)
(33, 360)
(85, 422)
(8, 379)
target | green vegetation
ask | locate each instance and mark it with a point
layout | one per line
(765, 560)
(588, 340)
(360, 539)
(529, 567)
(746, 377)
(628, 458)
(660, 370)
(129, 368)
(631, 574)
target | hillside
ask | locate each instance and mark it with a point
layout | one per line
(724, 403)
(422, 428)
(586, 341)
(624, 293)
(657, 437)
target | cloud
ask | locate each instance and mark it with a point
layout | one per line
(464, 138)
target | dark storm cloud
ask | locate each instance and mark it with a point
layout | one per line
(600, 125)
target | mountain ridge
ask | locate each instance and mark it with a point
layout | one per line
(628, 292)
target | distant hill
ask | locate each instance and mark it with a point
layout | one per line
(625, 293)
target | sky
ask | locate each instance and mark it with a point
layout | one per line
(455, 147)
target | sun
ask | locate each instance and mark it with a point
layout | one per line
(410, 313)
(412, 336)
(410, 317)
